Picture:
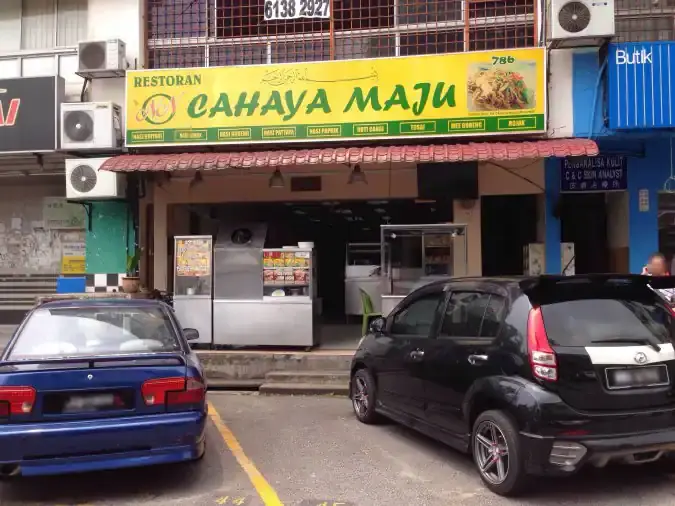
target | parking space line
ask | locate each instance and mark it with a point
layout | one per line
(262, 487)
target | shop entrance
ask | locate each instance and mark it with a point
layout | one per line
(508, 223)
(342, 234)
(584, 223)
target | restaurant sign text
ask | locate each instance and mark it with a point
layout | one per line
(492, 92)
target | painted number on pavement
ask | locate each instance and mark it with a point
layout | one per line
(233, 500)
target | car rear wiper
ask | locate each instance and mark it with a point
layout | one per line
(636, 340)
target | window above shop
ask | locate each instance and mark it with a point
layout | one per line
(237, 32)
(645, 20)
(38, 25)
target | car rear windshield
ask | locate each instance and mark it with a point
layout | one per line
(590, 319)
(99, 331)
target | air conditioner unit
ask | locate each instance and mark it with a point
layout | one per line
(101, 56)
(577, 23)
(90, 126)
(84, 180)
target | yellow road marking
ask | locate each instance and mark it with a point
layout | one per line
(264, 489)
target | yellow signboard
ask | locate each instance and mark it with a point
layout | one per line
(480, 93)
(72, 265)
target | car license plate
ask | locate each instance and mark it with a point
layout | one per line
(79, 403)
(637, 377)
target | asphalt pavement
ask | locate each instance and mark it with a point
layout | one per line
(310, 451)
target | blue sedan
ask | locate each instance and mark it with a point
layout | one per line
(87, 385)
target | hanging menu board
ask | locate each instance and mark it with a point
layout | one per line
(193, 257)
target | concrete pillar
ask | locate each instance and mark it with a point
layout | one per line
(161, 269)
(552, 229)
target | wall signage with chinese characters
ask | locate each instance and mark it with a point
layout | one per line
(296, 9)
(586, 174)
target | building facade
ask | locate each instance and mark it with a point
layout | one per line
(168, 38)
(620, 96)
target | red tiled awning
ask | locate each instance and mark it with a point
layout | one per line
(482, 151)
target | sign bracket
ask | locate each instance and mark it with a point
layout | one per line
(87, 209)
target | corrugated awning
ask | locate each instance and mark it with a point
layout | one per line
(481, 151)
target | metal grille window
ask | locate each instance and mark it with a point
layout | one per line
(46, 24)
(249, 32)
(645, 20)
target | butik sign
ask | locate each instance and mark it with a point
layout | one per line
(463, 94)
(29, 114)
(641, 94)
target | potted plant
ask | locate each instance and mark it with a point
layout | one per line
(131, 282)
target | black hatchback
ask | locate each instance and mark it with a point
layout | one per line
(531, 375)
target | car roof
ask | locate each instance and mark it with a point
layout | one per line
(100, 303)
(528, 281)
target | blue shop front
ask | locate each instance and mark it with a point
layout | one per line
(614, 210)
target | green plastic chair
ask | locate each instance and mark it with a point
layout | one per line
(368, 313)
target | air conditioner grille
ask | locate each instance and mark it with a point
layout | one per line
(93, 56)
(78, 126)
(83, 178)
(574, 17)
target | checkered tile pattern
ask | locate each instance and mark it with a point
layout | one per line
(106, 283)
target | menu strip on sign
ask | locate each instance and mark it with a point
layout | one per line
(296, 9)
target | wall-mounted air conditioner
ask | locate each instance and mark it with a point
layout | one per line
(101, 58)
(577, 23)
(91, 126)
(85, 180)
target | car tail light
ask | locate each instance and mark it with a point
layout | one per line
(172, 391)
(16, 400)
(542, 358)
(194, 393)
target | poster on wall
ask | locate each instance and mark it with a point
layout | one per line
(193, 257)
(73, 258)
(59, 214)
(479, 93)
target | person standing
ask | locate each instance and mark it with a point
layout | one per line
(658, 266)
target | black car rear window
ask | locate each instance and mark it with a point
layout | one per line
(591, 319)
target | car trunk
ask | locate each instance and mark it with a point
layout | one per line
(613, 344)
(90, 388)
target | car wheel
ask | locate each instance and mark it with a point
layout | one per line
(497, 454)
(363, 396)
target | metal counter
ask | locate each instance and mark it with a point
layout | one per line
(272, 321)
(195, 312)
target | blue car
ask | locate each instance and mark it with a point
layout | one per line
(87, 385)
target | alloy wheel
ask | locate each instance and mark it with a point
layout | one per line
(360, 396)
(491, 452)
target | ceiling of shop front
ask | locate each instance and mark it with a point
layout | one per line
(360, 220)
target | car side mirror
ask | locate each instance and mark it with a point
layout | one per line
(191, 334)
(377, 326)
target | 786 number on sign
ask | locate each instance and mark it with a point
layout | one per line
(294, 9)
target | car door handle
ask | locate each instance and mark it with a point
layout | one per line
(417, 355)
(477, 359)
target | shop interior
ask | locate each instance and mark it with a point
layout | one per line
(345, 239)
(587, 222)
(508, 224)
